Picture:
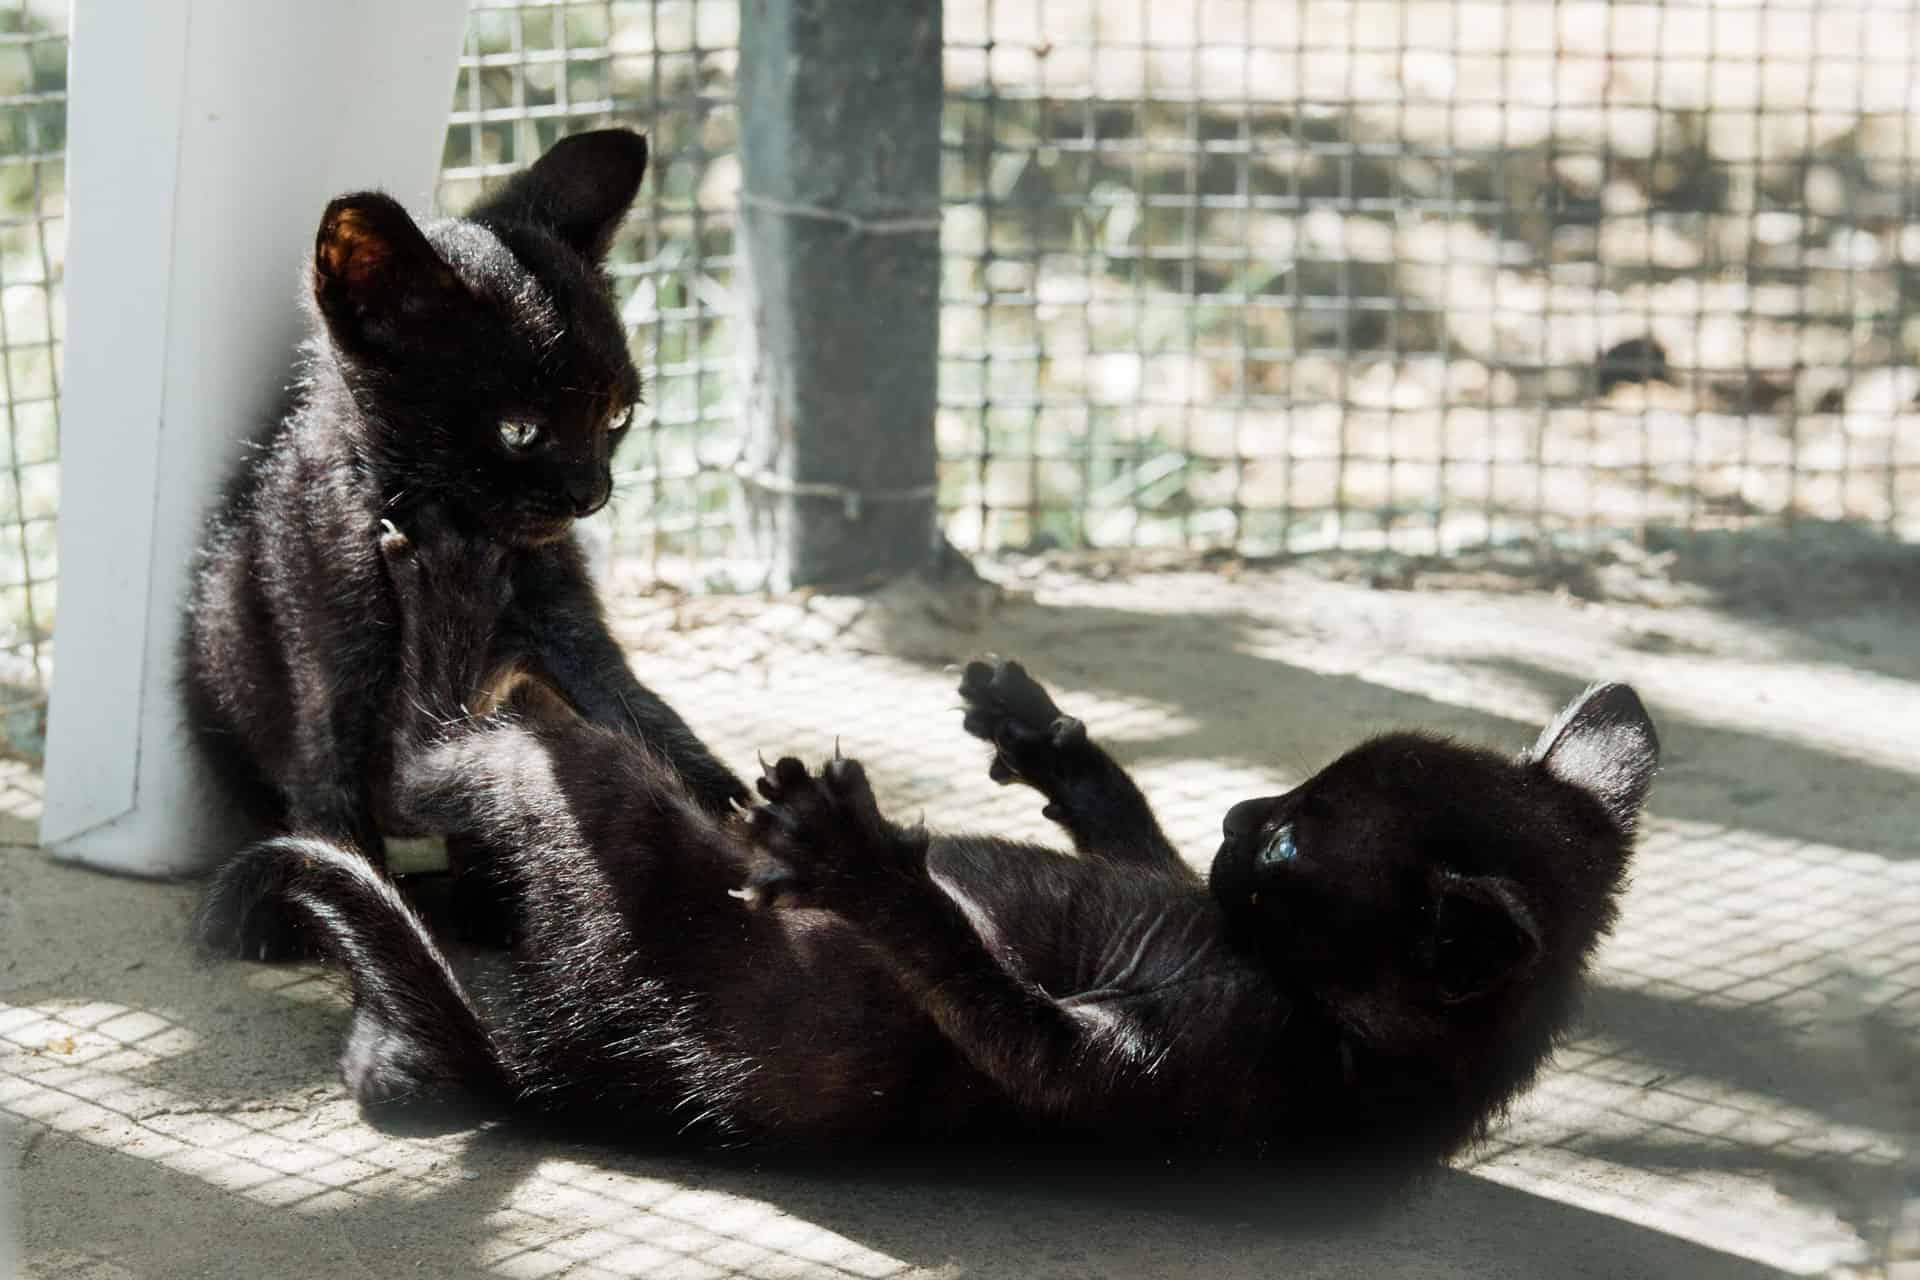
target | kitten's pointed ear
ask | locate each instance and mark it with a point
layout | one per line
(579, 190)
(1483, 936)
(1603, 743)
(371, 264)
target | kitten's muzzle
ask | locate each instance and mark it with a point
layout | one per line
(587, 493)
(1257, 838)
(1231, 876)
(1249, 816)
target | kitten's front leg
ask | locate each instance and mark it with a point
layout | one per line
(451, 592)
(336, 683)
(827, 834)
(562, 620)
(338, 680)
(1086, 790)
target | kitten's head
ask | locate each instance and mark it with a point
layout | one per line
(1438, 901)
(484, 353)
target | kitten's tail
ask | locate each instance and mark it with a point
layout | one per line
(417, 1044)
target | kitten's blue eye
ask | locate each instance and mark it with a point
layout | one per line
(1279, 848)
(519, 435)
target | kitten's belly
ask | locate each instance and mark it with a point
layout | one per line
(1074, 925)
(826, 1042)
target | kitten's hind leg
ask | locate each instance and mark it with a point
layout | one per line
(1086, 790)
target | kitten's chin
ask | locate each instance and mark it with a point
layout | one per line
(530, 533)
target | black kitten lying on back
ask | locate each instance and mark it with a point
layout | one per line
(476, 363)
(1381, 959)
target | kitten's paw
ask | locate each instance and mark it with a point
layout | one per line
(1009, 708)
(835, 804)
(434, 558)
(450, 591)
(824, 830)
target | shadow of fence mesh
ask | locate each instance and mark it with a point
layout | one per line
(1237, 274)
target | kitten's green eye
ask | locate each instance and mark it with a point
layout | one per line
(519, 436)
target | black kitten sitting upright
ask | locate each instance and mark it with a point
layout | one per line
(477, 363)
(1382, 959)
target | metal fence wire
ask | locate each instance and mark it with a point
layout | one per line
(532, 72)
(1263, 275)
(33, 135)
(1279, 276)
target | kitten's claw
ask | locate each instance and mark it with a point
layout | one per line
(780, 778)
(764, 883)
(394, 545)
(733, 802)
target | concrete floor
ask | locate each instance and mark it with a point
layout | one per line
(1741, 1099)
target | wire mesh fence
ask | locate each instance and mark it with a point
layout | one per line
(33, 78)
(532, 72)
(1263, 275)
(1278, 276)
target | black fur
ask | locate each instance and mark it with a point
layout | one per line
(1380, 960)
(426, 339)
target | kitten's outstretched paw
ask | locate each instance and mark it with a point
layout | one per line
(824, 831)
(1009, 708)
(824, 809)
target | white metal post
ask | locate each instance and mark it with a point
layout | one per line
(205, 137)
